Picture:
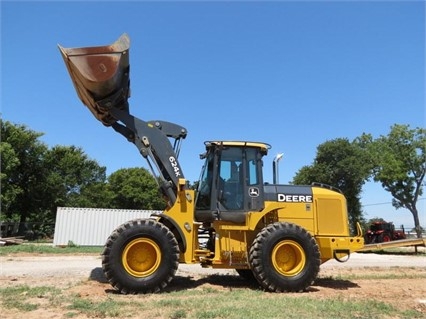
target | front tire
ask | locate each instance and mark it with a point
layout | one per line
(140, 256)
(284, 257)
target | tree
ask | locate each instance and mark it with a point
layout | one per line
(70, 175)
(400, 166)
(135, 188)
(95, 195)
(23, 175)
(36, 180)
(9, 162)
(341, 164)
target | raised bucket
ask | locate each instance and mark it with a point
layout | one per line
(101, 76)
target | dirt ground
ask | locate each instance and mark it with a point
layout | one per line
(371, 277)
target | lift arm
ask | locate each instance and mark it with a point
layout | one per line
(101, 78)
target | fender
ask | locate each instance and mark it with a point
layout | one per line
(174, 228)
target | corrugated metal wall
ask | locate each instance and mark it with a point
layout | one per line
(91, 226)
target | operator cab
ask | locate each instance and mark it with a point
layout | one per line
(231, 182)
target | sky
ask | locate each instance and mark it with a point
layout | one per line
(293, 74)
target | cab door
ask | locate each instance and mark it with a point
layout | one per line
(240, 181)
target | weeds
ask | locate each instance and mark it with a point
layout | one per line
(214, 303)
(49, 249)
(24, 298)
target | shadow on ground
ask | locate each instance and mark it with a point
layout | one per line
(226, 281)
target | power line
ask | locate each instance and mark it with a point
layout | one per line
(387, 203)
(377, 204)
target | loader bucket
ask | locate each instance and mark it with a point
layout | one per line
(101, 76)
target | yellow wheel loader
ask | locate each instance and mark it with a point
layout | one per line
(276, 234)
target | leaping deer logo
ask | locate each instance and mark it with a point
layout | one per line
(253, 192)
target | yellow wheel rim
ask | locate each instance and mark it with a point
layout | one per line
(141, 257)
(288, 258)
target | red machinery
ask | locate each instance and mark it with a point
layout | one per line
(382, 231)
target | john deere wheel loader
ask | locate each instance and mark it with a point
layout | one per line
(277, 234)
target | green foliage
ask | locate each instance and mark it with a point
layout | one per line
(397, 161)
(400, 165)
(70, 172)
(135, 188)
(36, 180)
(23, 175)
(94, 195)
(9, 163)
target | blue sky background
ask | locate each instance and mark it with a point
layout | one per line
(293, 74)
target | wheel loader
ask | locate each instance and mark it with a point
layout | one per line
(278, 235)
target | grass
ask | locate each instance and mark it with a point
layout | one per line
(201, 304)
(49, 249)
(24, 298)
(108, 308)
(372, 273)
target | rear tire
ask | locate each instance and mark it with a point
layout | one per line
(140, 256)
(284, 257)
(386, 237)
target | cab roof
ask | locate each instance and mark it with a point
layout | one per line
(264, 146)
